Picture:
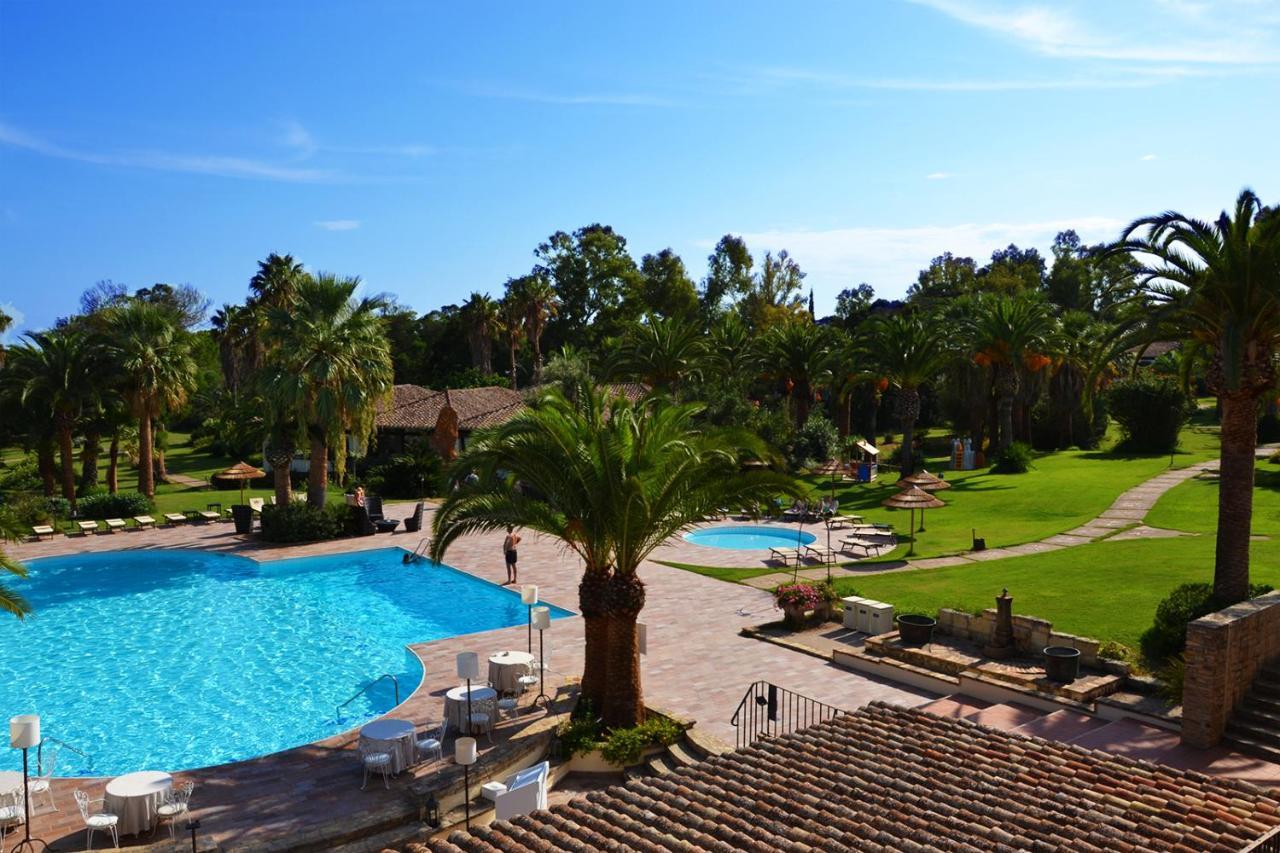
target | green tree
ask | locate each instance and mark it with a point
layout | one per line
(538, 297)
(612, 480)
(6, 323)
(1216, 285)
(1010, 334)
(480, 316)
(663, 352)
(909, 349)
(328, 366)
(667, 291)
(776, 293)
(511, 327)
(153, 354)
(728, 275)
(595, 280)
(946, 277)
(11, 601)
(799, 355)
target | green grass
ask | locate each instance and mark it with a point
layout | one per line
(732, 575)
(1064, 490)
(1193, 506)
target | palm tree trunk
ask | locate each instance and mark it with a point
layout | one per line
(871, 420)
(146, 471)
(89, 460)
(1005, 407)
(318, 475)
(1235, 498)
(593, 603)
(280, 456)
(113, 464)
(624, 696)
(47, 466)
(512, 349)
(908, 410)
(68, 459)
(535, 340)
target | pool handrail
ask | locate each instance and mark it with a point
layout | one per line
(61, 744)
(394, 681)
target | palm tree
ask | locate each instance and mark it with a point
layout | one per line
(799, 355)
(1009, 334)
(1217, 286)
(908, 349)
(234, 330)
(734, 352)
(612, 480)
(274, 286)
(6, 323)
(661, 352)
(328, 365)
(480, 318)
(153, 354)
(538, 296)
(10, 600)
(511, 326)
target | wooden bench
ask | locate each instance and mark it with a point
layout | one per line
(144, 521)
(40, 531)
(175, 518)
(87, 527)
(114, 524)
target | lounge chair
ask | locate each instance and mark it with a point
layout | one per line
(87, 527)
(114, 524)
(784, 555)
(40, 531)
(175, 518)
(413, 523)
(361, 522)
(209, 514)
(822, 553)
(860, 548)
(373, 504)
(256, 504)
(144, 521)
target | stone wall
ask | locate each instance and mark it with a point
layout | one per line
(1030, 635)
(1225, 650)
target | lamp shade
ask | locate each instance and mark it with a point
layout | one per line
(468, 665)
(529, 594)
(464, 750)
(24, 731)
(542, 618)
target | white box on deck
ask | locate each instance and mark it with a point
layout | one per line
(851, 611)
(879, 618)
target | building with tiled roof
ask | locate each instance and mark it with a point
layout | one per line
(887, 778)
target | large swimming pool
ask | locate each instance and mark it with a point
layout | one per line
(168, 660)
(750, 537)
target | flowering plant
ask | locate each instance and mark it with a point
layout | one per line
(801, 595)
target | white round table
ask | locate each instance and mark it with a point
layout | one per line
(506, 667)
(10, 787)
(394, 737)
(455, 704)
(134, 797)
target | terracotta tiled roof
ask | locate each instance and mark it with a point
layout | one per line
(413, 407)
(633, 391)
(887, 778)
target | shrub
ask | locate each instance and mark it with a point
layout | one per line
(1274, 458)
(815, 442)
(21, 477)
(1014, 459)
(408, 475)
(1172, 679)
(29, 510)
(803, 595)
(1167, 636)
(1111, 650)
(119, 505)
(1150, 411)
(300, 522)
(625, 746)
(580, 733)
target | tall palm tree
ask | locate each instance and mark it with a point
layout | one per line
(538, 296)
(273, 287)
(328, 365)
(6, 323)
(1217, 286)
(908, 349)
(663, 351)
(234, 330)
(10, 600)
(511, 326)
(799, 355)
(480, 318)
(1010, 335)
(153, 354)
(612, 480)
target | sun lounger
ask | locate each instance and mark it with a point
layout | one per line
(256, 504)
(144, 521)
(40, 531)
(784, 555)
(860, 547)
(826, 555)
(209, 515)
(114, 524)
(175, 518)
(87, 527)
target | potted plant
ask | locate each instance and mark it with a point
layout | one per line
(828, 597)
(915, 629)
(1061, 664)
(796, 600)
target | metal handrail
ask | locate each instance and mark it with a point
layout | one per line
(1268, 843)
(420, 550)
(394, 681)
(767, 710)
(61, 744)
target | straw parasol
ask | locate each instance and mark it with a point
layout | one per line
(832, 467)
(912, 498)
(240, 471)
(926, 481)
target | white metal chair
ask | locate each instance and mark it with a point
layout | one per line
(376, 761)
(482, 716)
(176, 806)
(44, 784)
(12, 814)
(434, 743)
(96, 821)
(509, 707)
(527, 681)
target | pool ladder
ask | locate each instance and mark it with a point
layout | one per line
(61, 744)
(395, 682)
(420, 550)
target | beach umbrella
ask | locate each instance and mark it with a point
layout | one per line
(926, 481)
(831, 468)
(240, 471)
(912, 498)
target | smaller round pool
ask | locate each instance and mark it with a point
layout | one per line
(749, 537)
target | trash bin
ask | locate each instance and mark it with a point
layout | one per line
(242, 515)
(1061, 664)
(916, 630)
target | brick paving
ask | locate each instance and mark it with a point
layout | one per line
(697, 666)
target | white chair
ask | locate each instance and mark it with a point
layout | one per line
(526, 791)
(256, 504)
(509, 708)
(434, 743)
(12, 813)
(376, 761)
(44, 784)
(176, 806)
(482, 715)
(527, 681)
(96, 821)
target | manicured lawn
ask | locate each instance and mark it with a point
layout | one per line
(732, 575)
(1064, 490)
(1193, 506)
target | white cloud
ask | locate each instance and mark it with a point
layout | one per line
(890, 258)
(937, 176)
(338, 224)
(297, 137)
(1147, 157)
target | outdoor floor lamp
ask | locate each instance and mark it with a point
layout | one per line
(464, 753)
(541, 616)
(24, 733)
(468, 668)
(529, 597)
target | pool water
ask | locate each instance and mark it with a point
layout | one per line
(749, 537)
(173, 659)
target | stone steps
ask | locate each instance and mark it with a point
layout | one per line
(1254, 728)
(686, 752)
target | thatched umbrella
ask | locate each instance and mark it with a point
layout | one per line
(912, 499)
(240, 471)
(926, 481)
(832, 468)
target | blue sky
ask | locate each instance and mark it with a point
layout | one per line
(429, 147)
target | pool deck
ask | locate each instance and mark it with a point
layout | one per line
(697, 666)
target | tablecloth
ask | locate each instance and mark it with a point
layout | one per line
(506, 667)
(394, 737)
(134, 798)
(455, 704)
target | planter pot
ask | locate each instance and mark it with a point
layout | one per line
(1061, 664)
(242, 514)
(916, 630)
(794, 615)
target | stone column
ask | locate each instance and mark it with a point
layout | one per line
(1001, 645)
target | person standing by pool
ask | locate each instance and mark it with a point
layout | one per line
(509, 553)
